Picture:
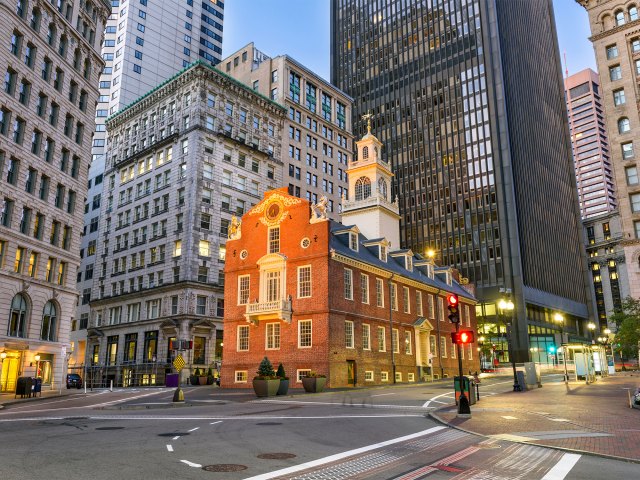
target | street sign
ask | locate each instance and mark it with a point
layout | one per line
(179, 363)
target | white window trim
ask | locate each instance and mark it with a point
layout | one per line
(238, 349)
(406, 295)
(411, 377)
(235, 376)
(366, 282)
(266, 336)
(384, 338)
(310, 281)
(350, 274)
(299, 371)
(370, 374)
(366, 326)
(240, 277)
(300, 336)
(384, 376)
(353, 335)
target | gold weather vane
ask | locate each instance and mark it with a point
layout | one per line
(367, 116)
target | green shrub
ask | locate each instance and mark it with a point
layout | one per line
(265, 370)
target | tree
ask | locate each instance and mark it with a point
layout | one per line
(627, 321)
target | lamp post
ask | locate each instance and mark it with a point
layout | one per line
(431, 255)
(481, 340)
(560, 319)
(591, 326)
(37, 359)
(508, 306)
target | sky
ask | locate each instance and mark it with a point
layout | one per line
(300, 29)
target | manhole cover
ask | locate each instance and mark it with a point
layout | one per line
(178, 434)
(224, 467)
(269, 423)
(276, 456)
(109, 428)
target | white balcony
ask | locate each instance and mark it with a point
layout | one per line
(274, 310)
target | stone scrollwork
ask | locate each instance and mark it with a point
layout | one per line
(319, 210)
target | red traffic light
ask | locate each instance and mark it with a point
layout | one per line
(463, 337)
(452, 300)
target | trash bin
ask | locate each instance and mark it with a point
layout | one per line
(171, 379)
(23, 387)
(468, 387)
(37, 386)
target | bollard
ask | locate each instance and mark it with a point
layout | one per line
(178, 395)
(85, 387)
(111, 386)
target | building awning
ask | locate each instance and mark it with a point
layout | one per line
(422, 322)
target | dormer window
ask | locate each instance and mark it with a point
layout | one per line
(430, 271)
(409, 263)
(449, 278)
(353, 241)
(383, 253)
(274, 239)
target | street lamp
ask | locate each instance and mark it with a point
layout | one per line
(591, 326)
(560, 319)
(508, 306)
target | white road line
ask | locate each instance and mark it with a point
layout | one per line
(426, 404)
(193, 429)
(170, 448)
(382, 394)
(191, 464)
(213, 423)
(563, 467)
(176, 437)
(340, 456)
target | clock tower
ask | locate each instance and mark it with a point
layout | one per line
(370, 206)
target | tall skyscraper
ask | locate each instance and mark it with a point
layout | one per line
(317, 131)
(51, 64)
(467, 99)
(591, 157)
(617, 48)
(146, 42)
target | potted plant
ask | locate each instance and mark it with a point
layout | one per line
(265, 383)
(314, 382)
(193, 379)
(210, 377)
(284, 380)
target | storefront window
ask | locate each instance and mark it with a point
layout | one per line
(199, 344)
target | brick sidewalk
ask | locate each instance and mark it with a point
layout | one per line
(592, 418)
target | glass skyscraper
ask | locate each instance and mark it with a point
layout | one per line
(467, 97)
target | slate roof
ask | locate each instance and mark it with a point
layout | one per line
(340, 243)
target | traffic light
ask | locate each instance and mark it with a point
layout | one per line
(452, 302)
(462, 337)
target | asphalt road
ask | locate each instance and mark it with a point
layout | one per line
(377, 433)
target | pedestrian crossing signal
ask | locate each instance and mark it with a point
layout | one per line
(463, 337)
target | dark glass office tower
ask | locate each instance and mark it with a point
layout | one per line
(467, 96)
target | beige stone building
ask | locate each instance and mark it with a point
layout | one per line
(183, 161)
(316, 138)
(50, 61)
(615, 28)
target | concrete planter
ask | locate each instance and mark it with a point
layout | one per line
(202, 380)
(266, 387)
(284, 386)
(313, 384)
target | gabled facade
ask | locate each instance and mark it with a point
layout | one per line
(316, 295)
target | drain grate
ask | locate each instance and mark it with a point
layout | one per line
(269, 423)
(109, 428)
(224, 467)
(276, 456)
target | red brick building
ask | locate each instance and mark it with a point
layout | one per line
(317, 295)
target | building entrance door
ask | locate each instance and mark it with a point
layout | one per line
(351, 372)
(9, 377)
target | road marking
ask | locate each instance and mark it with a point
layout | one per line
(426, 404)
(442, 464)
(191, 464)
(509, 417)
(170, 448)
(213, 423)
(193, 429)
(340, 456)
(176, 438)
(559, 420)
(382, 394)
(563, 467)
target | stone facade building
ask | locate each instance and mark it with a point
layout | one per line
(316, 139)
(182, 161)
(50, 61)
(616, 42)
(317, 295)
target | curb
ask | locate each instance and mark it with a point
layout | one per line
(435, 417)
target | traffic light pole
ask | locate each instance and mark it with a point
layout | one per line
(463, 401)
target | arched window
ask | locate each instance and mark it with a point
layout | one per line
(619, 18)
(18, 317)
(623, 125)
(382, 188)
(51, 34)
(35, 19)
(633, 14)
(49, 322)
(363, 188)
(365, 152)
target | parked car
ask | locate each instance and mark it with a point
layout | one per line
(74, 380)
